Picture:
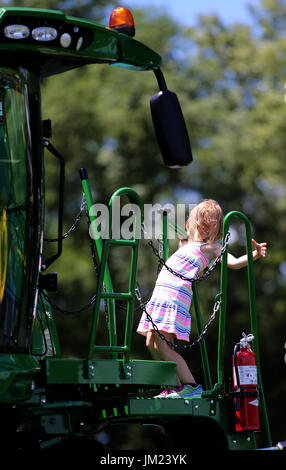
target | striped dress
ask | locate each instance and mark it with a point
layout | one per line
(171, 300)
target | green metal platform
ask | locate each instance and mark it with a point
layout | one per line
(208, 413)
(110, 371)
(116, 399)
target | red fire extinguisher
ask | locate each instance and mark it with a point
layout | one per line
(245, 386)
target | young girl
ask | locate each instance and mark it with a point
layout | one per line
(170, 303)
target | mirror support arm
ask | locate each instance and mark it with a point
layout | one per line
(160, 79)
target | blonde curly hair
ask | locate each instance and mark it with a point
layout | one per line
(205, 222)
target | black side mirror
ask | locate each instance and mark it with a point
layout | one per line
(170, 127)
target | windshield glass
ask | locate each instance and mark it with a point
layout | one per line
(15, 204)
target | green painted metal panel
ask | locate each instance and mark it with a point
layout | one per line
(153, 372)
(161, 407)
(100, 44)
(110, 371)
(198, 408)
(17, 372)
(204, 407)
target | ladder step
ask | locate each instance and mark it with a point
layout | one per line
(120, 242)
(117, 295)
(116, 349)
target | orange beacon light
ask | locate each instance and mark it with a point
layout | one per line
(121, 19)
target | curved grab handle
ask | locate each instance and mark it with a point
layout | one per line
(134, 199)
(131, 193)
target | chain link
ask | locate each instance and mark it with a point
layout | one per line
(216, 306)
(185, 278)
(172, 345)
(83, 207)
(68, 312)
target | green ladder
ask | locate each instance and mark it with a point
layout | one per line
(104, 283)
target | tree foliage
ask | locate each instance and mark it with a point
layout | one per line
(87, 9)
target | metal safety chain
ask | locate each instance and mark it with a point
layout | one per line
(185, 278)
(172, 345)
(216, 306)
(83, 207)
(68, 312)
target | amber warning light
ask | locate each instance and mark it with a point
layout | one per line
(122, 20)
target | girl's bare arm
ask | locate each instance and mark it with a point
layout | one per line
(238, 263)
(212, 250)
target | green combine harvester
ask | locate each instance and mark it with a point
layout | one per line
(45, 399)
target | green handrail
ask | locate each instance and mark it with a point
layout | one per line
(165, 238)
(98, 242)
(202, 343)
(252, 312)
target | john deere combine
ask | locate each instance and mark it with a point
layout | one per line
(47, 399)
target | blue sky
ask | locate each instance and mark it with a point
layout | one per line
(187, 10)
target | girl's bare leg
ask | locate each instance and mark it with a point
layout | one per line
(161, 351)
